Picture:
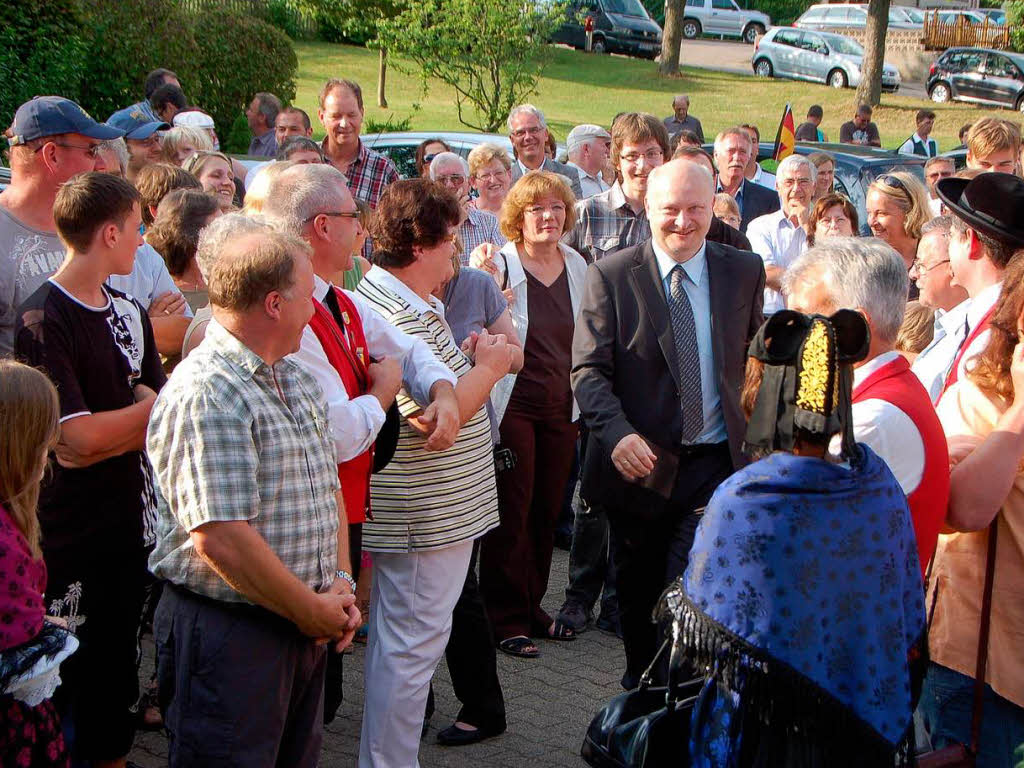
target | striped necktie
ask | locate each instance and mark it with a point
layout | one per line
(684, 330)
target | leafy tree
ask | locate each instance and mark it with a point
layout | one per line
(672, 37)
(41, 53)
(1015, 21)
(870, 89)
(489, 51)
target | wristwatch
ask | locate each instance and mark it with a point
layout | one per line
(347, 577)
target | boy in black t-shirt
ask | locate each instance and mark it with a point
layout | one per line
(97, 508)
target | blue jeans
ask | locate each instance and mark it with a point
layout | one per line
(946, 704)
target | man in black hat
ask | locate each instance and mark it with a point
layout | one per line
(987, 230)
(50, 140)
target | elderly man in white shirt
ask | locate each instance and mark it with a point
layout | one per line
(934, 278)
(780, 237)
(589, 147)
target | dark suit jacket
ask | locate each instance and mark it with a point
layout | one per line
(624, 372)
(757, 201)
(555, 167)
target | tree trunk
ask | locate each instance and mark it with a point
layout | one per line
(870, 89)
(672, 38)
(382, 76)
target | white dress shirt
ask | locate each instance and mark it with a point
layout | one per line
(934, 362)
(591, 184)
(980, 305)
(778, 242)
(765, 179)
(355, 422)
(887, 430)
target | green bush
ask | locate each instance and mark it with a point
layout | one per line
(234, 58)
(236, 139)
(125, 39)
(41, 53)
(282, 14)
(782, 12)
(1015, 20)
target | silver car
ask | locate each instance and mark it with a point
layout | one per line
(826, 16)
(723, 17)
(823, 57)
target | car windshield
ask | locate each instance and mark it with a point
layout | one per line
(872, 172)
(896, 16)
(913, 14)
(846, 45)
(625, 7)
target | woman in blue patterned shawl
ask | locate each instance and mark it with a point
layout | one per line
(802, 603)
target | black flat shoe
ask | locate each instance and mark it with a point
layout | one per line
(453, 736)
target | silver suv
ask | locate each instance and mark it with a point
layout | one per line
(723, 17)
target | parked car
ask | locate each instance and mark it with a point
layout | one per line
(826, 16)
(401, 146)
(823, 57)
(914, 15)
(978, 75)
(856, 167)
(723, 17)
(620, 26)
(995, 15)
(974, 18)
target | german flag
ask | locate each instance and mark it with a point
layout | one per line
(785, 139)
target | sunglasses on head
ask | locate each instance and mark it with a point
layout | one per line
(427, 159)
(892, 182)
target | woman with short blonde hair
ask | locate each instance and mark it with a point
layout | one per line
(490, 173)
(536, 413)
(183, 141)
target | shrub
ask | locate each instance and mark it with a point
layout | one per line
(125, 39)
(41, 54)
(234, 58)
(283, 15)
(236, 138)
(1015, 21)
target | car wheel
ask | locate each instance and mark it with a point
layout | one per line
(940, 93)
(751, 32)
(1020, 104)
(837, 78)
(763, 68)
(691, 29)
(598, 45)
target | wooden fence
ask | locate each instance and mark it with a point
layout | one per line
(260, 9)
(939, 36)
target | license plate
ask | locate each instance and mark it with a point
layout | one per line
(646, 46)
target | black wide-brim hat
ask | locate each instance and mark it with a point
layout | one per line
(992, 203)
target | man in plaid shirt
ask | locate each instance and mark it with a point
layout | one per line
(477, 227)
(341, 114)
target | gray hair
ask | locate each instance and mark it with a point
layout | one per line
(681, 97)
(859, 273)
(527, 109)
(223, 230)
(794, 162)
(737, 131)
(119, 148)
(941, 224)
(269, 106)
(299, 193)
(447, 157)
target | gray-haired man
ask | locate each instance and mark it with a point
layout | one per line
(589, 147)
(478, 227)
(528, 131)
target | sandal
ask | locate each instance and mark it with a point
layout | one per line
(561, 631)
(520, 646)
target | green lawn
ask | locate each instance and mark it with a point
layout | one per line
(579, 87)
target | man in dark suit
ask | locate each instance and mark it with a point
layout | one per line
(528, 131)
(732, 154)
(659, 357)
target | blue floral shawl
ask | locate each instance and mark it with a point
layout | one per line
(803, 602)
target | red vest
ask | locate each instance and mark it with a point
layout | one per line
(350, 361)
(976, 331)
(897, 385)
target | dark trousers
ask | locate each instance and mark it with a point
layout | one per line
(652, 543)
(238, 685)
(334, 692)
(515, 558)
(472, 660)
(591, 570)
(100, 681)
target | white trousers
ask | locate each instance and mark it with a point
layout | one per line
(411, 605)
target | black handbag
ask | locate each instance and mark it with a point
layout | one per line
(648, 727)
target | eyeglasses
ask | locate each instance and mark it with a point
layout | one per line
(454, 180)
(651, 156)
(428, 159)
(152, 141)
(491, 176)
(336, 214)
(92, 151)
(789, 183)
(923, 270)
(534, 130)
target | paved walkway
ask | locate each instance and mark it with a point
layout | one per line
(550, 701)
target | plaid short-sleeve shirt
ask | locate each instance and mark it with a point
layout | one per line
(367, 175)
(232, 438)
(605, 223)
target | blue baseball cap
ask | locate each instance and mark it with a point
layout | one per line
(136, 124)
(52, 115)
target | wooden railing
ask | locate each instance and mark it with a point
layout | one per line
(939, 36)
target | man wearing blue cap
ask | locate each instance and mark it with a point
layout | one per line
(51, 140)
(141, 134)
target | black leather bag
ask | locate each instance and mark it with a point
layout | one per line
(648, 727)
